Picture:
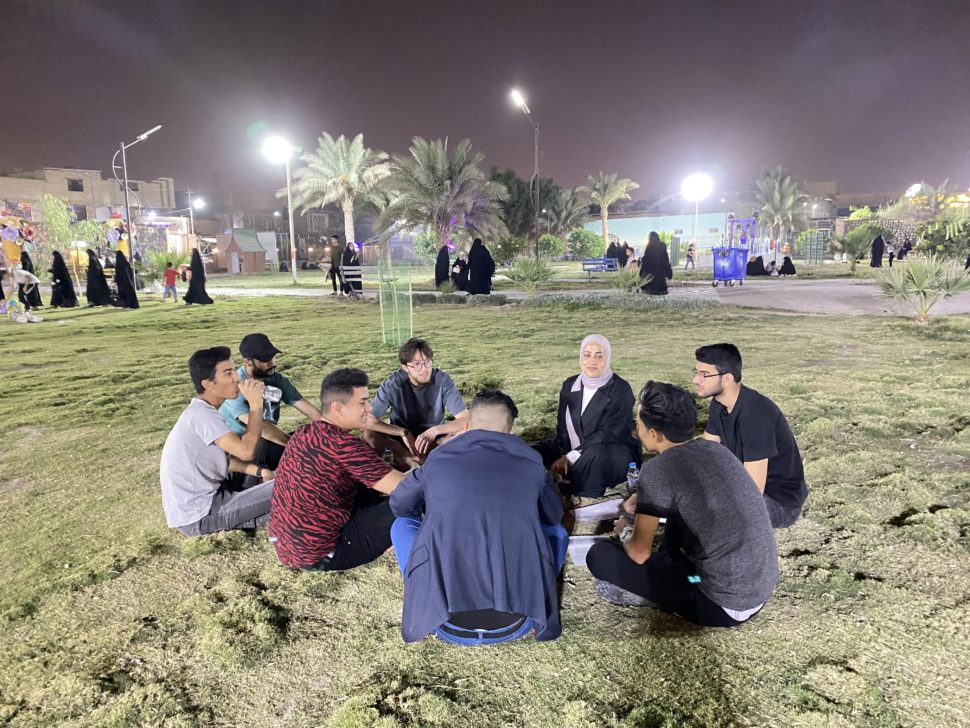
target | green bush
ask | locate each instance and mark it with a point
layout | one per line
(583, 243)
(628, 280)
(507, 249)
(492, 299)
(686, 302)
(529, 273)
(923, 282)
(551, 246)
(447, 287)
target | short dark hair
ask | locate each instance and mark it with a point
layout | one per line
(169, 264)
(339, 386)
(335, 237)
(202, 364)
(724, 357)
(410, 348)
(668, 409)
(496, 398)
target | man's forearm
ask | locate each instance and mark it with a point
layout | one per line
(376, 425)
(254, 427)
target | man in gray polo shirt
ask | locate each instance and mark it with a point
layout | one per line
(417, 395)
(203, 461)
(717, 564)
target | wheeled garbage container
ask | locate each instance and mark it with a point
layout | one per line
(730, 265)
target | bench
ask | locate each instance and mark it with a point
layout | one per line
(353, 278)
(599, 265)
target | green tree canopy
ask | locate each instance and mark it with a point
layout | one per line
(605, 190)
(780, 200)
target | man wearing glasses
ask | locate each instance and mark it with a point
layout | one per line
(752, 427)
(418, 396)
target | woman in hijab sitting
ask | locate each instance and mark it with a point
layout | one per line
(594, 423)
(756, 267)
(196, 292)
(62, 290)
(656, 264)
(459, 272)
(97, 291)
(787, 267)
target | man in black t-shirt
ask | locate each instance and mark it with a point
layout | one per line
(752, 427)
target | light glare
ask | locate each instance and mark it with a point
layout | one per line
(277, 149)
(696, 187)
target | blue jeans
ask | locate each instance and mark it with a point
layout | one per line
(173, 291)
(403, 532)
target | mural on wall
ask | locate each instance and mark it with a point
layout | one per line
(17, 234)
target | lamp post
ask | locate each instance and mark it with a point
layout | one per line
(695, 188)
(519, 100)
(197, 204)
(279, 151)
(124, 165)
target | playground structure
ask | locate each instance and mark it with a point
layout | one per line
(730, 260)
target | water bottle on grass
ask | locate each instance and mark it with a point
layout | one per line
(632, 477)
(388, 456)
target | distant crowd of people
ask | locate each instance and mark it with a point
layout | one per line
(471, 272)
(474, 513)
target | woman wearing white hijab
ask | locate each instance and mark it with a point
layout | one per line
(594, 424)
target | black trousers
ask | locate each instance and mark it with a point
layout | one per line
(663, 579)
(332, 275)
(600, 466)
(365, 537)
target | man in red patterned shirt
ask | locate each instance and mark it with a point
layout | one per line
(327, 511)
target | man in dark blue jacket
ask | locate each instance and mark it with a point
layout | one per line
(480, 567)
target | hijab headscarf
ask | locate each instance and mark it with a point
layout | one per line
(97, 291)
(127, 297)
(63, 293)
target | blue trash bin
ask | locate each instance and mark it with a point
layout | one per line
(730, 265)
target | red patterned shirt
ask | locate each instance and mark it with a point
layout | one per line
(313, 494)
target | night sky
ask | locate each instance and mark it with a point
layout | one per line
(871, 94)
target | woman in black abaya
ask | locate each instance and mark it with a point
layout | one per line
(62, 292)
(756, 267)
(96, 291)
(196, 292)
(127, 297)
(787, 267)
(459, 272)
(878, 248)
(655, 263)
(33, 298)
(611, 252)
(481, 268)
(441, 266)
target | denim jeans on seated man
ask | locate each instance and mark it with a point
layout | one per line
(485, 626)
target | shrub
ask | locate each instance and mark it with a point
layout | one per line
(857, 242)
(551, 246)
(507, 249)
(923, 282)
(628, 280)
(583, 243)
(529, 273)
(448, 287)
(687, 301)
(492, 299)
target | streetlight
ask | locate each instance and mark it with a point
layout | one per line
(279, 151)
(124, 164)
(694, 189)
(519, 100)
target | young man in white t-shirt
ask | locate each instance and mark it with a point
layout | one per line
(203, 461)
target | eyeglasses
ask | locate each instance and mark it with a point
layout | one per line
(419, 364)
(705, 375)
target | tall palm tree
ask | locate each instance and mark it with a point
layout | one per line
(339, 170)
(443, 191)
(566, 210)
(781, 202)
(606, 190)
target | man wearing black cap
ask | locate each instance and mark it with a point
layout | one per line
(259, 362)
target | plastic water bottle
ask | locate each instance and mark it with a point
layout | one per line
(388, 456)
(632, 477)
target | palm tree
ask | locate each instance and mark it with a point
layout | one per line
(566, 210)
(445, 192)
(606, 190)
(339, 170)
(781, 202)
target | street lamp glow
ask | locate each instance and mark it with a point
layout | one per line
(696, 187)
(519, 100)
(277, 150)
(198, 203)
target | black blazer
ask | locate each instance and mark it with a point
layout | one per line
(608, 418)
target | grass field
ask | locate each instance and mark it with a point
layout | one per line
(110, 619)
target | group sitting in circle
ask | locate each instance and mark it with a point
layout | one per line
(475, 514)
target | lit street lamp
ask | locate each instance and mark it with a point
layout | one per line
(519, 100)
(279, 151)
(695, 188)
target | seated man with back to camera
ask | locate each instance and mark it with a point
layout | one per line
(329, 511)
(478, 535)
(203, 462)
(259, 362)
(417, 395)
